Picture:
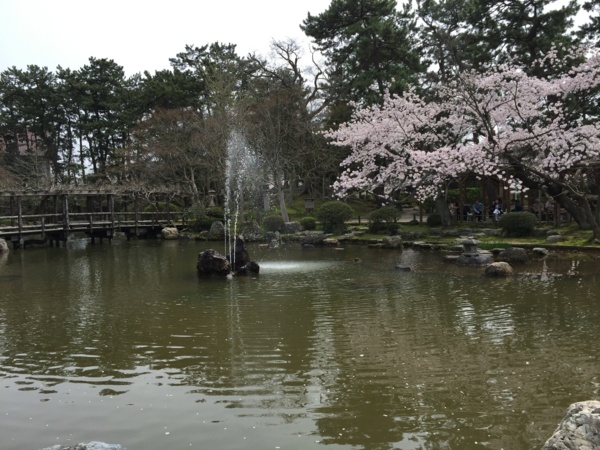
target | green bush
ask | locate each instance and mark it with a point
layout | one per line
(201, 224)
(516, 224)
(197, 220)
(162, 207)
(274, 223)
(217, 213)
(434, 220)
(308, 223)
(384, 220)
(333, 216)
(195, 212)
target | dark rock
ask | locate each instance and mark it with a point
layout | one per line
(514, 255)
(554, 238)
(211, 262)
(313, 238)
(217, 230)
(239, 256)
(251, 231)
(251, 268)
(292, 227)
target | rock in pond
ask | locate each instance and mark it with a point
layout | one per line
(498, 270)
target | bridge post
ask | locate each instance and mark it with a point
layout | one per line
(137, 214)
(168, 210)
(65, 217)
(19, 221)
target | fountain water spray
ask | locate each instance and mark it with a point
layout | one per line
(241, 173)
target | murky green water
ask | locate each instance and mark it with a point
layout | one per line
(123, 343)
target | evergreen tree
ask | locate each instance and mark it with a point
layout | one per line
(369, 47)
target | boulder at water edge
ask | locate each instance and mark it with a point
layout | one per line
(514, 255)
(392, 242)
(217, 231)
(170, 233)
(498, 270)
(3, 246)
(579, 429)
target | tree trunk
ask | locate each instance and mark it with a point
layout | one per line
(281, 196)
(441, 207)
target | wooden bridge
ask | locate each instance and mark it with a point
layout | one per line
(62, 216)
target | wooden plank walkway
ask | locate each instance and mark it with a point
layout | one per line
(56, 227)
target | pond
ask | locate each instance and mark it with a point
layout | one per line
(122, 343)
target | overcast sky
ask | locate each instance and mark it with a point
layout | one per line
(141, 34)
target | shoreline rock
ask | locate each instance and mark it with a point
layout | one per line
(579, 429)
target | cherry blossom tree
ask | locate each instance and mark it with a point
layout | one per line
(528, 132)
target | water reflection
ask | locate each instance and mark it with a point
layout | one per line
(124, 342)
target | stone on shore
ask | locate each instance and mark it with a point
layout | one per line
(392, 242)
(3, 246)
(554, 238)
(170, 233)
(217, 231)
(579, 429)
(498, 270)
(515, 255)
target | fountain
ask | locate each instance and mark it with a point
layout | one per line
(471, 255)
(242, 169)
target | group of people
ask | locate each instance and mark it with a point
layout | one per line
(476, 210)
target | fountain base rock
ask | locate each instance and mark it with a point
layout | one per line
(211, 262)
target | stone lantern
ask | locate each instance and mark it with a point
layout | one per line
(472, 256)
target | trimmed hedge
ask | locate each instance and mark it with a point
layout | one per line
(518, 224)
(384, 220)
(274, 223)
(333, 216)
(434, 220)
(308, 223)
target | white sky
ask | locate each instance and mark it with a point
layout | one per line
(141, 34)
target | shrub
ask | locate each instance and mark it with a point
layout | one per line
(308, 223)
(274, 223)
(333, 215)
(384, 219)
(162, 207)
(195, 212)
(434, 220)
(217, 213)
(517, 224)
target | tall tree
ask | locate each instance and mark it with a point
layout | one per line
(280, 112)
(590, 31)
(31, 119)
(460, 35)
(368, 46)
(105, 117)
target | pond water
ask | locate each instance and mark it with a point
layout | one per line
(123, 343)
